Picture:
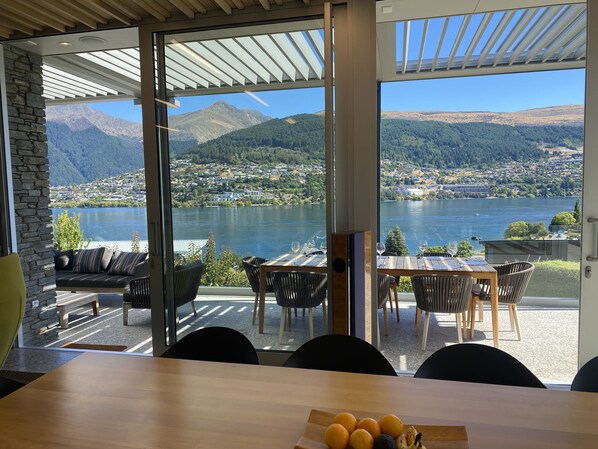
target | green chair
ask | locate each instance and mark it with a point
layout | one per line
(12, 305)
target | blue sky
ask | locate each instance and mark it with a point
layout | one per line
(497, 93)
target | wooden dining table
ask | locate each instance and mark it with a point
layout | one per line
(99, 401)
(395, 266)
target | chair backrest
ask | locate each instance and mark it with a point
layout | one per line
(186, 282)
(299, 289)
(389, 253)
(513, 279)
(477, 363)
(12, 302)
(251, 265)
(440, 293)
(340, 353)
(214, 344)
(586, 378)
(436, 254)
(384, 281)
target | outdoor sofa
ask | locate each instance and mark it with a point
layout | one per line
(99, 270)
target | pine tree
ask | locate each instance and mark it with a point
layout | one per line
(395, 242)
(577, 212)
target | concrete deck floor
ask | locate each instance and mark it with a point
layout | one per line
(548, 346)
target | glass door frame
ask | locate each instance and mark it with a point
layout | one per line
(160, 232)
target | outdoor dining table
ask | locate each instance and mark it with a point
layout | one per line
(115, 401)
(395, 266)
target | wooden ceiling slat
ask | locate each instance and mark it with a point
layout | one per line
(82, 10)
(18, 10)
(238, 4)
(154, 9)
(5, 32)
(224, 6)
(183, 7)
(265, 4)
(106, 10)
(59, 8)
(125, 8)
(198, 6)
(16, 26)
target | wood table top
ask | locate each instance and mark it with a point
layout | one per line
(124, 401)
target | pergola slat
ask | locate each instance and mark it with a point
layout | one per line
(195, 61)
(306, 52)
(459, 38)
(253, 48)
(216, 47)
(440, 40)
(422, 44)
(476, 38)
(498, 31)
(244, 56)
(577, 25)
(536, 29)
(406, 28)
(291, 54)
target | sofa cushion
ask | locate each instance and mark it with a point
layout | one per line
(124, 263)
(88, 260)
(106, 258)
(63, 260)
(72, 280)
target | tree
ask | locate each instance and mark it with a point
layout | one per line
(395, 242)
(563, 219)
(68, 233)
(464, 249)
(517, 230)
(577, 212)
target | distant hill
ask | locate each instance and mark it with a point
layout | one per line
(86, 144)
(569, 115)
(299, 139)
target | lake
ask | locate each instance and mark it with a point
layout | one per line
(268, 231)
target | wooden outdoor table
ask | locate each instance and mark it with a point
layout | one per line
(123, 401)
(395, 266)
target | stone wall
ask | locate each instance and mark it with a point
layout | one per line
(29, 153)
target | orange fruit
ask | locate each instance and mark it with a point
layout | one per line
(336, 436)
(361, 439)
(391, 425)
(370, 425)
(347, 420)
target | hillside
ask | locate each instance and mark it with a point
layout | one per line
(569, 115)
(300, 139)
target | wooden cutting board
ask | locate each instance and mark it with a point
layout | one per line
(433, 437)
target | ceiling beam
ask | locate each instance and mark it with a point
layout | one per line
(106, 10)
(183, 7)
(224, 6)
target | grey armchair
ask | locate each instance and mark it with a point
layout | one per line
(442, 294)
(513, 279)
(294, 289)
(186, 282)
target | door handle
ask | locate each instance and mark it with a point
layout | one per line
(594, 257)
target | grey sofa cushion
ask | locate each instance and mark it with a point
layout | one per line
(63, 260)
(88, 260)
(125, 263)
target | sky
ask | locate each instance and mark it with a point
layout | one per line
(496, 93)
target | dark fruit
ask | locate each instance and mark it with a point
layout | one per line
(384, 441)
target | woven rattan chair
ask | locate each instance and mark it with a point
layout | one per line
(442, 294)
(186, 282)
(513, 279)
(436, 254)
(251, 265)
(394, 287)
(384, 281)
(295, 289)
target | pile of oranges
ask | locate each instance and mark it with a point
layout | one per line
(367, 433)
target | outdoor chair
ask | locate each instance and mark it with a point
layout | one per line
(513, 279)
(477, 363)
(214, 344)
(296, 289)
(251, 265)
(343, 353)
(442, 294)
(12, 304)
(586, 378)
(384, 281)
(186, 282)
(436, 254)
(394, 287)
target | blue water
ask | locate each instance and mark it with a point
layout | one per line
(269, 230)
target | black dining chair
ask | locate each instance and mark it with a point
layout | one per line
(586, 378)
(471, 362)
(252, 265)
(436, 254)
(8, 386)
(214, 344)
(343, 353)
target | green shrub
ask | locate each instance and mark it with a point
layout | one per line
(555, 279)
(67, 232)
(224, 271)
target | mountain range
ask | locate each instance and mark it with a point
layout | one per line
(86, 144)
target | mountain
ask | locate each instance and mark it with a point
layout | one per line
(214, 121)
(569, 115)
(300, 139)
(86, 144)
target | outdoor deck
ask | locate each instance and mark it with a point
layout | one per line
(548, 345)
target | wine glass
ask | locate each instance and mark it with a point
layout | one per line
(295, 247)
(423, 245)
(452, 248)
(380, 247)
